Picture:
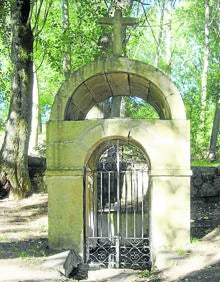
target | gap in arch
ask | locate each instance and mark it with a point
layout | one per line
(130, 107)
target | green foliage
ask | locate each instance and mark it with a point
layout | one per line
(145, 273)
(181, 252)
(84, 35)
(205, 163)
(139, 109)
(149, 275)
(187, 60)
(195, 240)
(51, 42)
(5, 82)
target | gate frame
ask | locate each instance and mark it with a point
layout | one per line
(96, 152)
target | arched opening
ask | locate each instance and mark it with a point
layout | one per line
(108, 86)
(128, 107)
(113, 77)
(116, 209)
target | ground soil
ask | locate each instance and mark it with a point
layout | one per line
(24, 245)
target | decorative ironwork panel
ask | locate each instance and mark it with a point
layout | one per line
(101, 251)
(135, 253)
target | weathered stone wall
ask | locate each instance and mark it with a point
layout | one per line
(205, 182)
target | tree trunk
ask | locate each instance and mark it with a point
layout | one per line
(14, 152)
(158, 46)
(33, 142)
(168, 38)
(67, 52)
(205, 64)
(215, 132)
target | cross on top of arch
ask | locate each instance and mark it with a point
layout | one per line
(118, 21)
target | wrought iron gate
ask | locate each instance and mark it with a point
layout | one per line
(116, 209)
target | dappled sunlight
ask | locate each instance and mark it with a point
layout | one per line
(197, 258)
(24, 219)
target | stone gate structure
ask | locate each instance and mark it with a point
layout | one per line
(72, 141)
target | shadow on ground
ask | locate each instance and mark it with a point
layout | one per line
(25, 249)
(210, 273)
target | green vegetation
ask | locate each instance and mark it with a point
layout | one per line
(149, 274)
(179, 37)
(195, 240)
(84, 35)
(181, 252)
(205, 163)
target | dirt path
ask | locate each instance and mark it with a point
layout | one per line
(25, 256)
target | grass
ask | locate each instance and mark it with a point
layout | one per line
(25, 255)
(33, 253)
(181, 252)
(5, 239)
(205, 163)
(195, 240)
(148, 274)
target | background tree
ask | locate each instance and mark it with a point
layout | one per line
(67, 51)
(205, 62)
(14, 152)
(215, 132)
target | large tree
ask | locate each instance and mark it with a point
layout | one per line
(14, 151)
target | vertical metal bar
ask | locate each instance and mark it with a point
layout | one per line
(117, 256)
(118, 188)
(101, 205)
(135, 204)
(109, 204)
(131, 201)
(118, 205)
(94, 203)
(142, 206)
(85, 215)
(137, 189)
(126, 204)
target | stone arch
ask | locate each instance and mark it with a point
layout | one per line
(110, 77)
(99, 147)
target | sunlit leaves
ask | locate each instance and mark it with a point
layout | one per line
(139, 109)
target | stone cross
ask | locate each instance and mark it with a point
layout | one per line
(117, 22)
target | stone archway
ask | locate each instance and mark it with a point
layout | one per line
(71, 140)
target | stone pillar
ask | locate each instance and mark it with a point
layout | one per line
(169, 215)
(65, 205)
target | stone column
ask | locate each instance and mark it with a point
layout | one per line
(169, 214)
(65, 205)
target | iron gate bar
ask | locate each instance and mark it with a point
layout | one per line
(101, 204)
(109, 203)
(126, 205)
(142, 205)
(118, 207)
(134, 207)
